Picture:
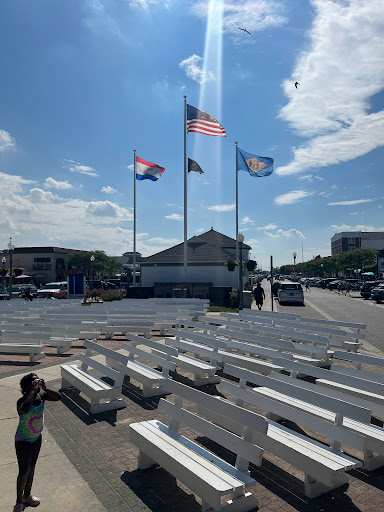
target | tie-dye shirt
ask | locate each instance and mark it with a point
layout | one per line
(31, 424)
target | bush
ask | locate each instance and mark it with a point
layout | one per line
(275, 288)
(234, 299)
(60, 295)
(109, 295)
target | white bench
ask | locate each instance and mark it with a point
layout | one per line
(324, 467)
(151, 379)
(195, 340)
(310, 398)
(309, 354)
(35, 352)
(203, 372)
(359, 359)
(205, 474)
(94, 387)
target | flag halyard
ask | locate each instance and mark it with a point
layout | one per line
(201, 122)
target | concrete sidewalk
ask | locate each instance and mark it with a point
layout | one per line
(57, 482)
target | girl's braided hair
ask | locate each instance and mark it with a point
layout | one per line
(26, 382)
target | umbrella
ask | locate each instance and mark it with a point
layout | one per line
(22, 276)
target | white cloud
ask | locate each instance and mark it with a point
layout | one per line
(291, 233)
(222, 207)
(142, 4)
(267, 227)
(351, 203)
(59, 185)
(358, 227)
(310, 177)
(131, 167)
(331, 106)
(253, 243)
(194, 69)
(291, 197)
(255, 15)
(79, 168)
(39, 195)
(200, 230)
(6, 141)
(108, 190)
(247, 220)
(107, 209)
(271, 235)
(174, 216)
(161, 240)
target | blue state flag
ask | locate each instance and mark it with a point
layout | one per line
(258, 166)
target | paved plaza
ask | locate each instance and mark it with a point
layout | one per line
(88, 463)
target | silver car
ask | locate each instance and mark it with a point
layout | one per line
(290, 292)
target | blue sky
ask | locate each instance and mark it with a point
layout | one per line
(85, 83)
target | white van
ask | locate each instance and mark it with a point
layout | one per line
(52, 288)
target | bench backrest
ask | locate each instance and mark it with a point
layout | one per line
(335, 431)
(164, 364)
(244, 448)
(138, 340)
(205, 339)
(330, 375)
(356, 358)
(117, 375)
(273, 314)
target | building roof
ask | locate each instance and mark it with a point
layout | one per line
(210, 246)
(42, 250)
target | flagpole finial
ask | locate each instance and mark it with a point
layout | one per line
(185, 97)
(236, 143)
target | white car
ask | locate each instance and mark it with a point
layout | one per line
(290, 292)
(52, 288)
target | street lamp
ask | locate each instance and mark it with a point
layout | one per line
(3, 261)
(92, 260)
(240, 240)
(11, 248)
(294, 259)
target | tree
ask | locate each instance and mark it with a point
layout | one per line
(103, 264)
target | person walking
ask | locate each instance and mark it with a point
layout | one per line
(307, 286)
(30, 408)
(259, 295)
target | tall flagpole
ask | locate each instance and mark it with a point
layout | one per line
(237, 206)
(185, 190)
(134, 217)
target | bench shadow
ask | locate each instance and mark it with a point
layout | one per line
(134, 393)
(159, 491)
(27, 364)
(71, 398)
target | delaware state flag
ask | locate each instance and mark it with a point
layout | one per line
(258, 166)
(148, 171)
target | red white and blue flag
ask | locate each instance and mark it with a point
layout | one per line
(201, 122)
(148, 171)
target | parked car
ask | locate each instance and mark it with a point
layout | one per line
(290, 292)
(333, 285)
(367, 287)
(377, 293)
(16, 290)
(52, 288)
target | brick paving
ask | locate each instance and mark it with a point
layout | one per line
(100, 449)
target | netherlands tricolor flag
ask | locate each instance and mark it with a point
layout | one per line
(148, 171)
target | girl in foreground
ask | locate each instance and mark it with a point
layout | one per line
(30, 408)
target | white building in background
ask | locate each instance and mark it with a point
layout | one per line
(207, 254)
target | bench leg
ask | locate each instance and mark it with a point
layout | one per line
(143, 461)
(372, 460)
(65, 384)
(35, 357)
(273, 417)
(313, 488)
(242, 503)
(61, 350)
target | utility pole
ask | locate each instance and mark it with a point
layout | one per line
(271, 280)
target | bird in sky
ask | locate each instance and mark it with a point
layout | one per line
(245, 30)
(296, 84)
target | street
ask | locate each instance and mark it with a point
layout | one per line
(328, 304)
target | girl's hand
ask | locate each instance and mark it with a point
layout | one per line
(42, 384)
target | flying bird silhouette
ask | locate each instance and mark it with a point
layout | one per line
(296, 84)
(245, 30)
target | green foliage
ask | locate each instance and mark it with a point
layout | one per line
(333, 265)
(275, 287)
(103, 264)
(234, 299)
(110, 295)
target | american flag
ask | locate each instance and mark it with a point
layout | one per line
(201, 122)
